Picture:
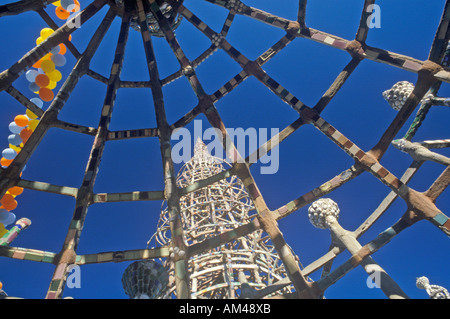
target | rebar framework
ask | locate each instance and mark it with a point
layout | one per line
(235, 269)
(203, 243)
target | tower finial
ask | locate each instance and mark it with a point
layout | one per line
(201, 152)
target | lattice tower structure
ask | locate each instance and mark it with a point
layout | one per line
(235, 269)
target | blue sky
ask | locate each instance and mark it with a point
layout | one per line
(307, 158)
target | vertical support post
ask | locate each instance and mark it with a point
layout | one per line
(67, 255)
(171, 190)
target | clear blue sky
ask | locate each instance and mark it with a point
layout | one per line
(307, 158)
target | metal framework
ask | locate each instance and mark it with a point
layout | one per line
(236, 269)
(239, 231)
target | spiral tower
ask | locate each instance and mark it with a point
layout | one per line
(221, 234)
(236, 269)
